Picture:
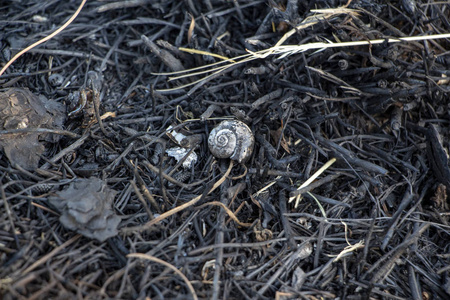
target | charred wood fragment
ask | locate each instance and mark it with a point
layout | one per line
(437, 156)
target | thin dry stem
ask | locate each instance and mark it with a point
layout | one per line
(44, 39)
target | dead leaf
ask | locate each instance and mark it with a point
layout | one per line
(86, 207)
(21, 112)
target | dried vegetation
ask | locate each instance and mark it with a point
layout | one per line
(142, 224)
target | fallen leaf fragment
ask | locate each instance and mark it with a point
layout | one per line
(21, 112)
(86, 207)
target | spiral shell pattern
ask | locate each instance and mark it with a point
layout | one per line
(231, 139)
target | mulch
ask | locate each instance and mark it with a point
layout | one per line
(109, 188)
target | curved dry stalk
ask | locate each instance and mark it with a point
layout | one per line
(324, 14)
(44, 39)
(228, 211)
(178, 208)
(166, 264)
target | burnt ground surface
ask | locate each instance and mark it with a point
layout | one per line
(93, 207)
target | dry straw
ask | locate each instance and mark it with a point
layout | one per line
(283, 51)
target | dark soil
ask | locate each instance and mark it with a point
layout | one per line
(93, 207)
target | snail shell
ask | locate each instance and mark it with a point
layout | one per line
(231, 139)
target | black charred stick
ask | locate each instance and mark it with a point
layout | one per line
(271, 153)
(300, 88)
(437, 156)
(389, 157)
(407, 198)
(266, 98)
(169, 60)
(209, 111)
(350, 157)
(315, 184)
(284, 220)
(327, 200)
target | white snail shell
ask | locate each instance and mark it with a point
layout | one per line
(231, 139)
